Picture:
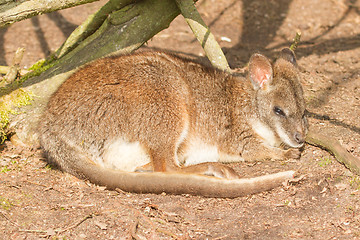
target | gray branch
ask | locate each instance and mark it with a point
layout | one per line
(14, 11)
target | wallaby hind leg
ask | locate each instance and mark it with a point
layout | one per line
(66, 155)
(167, 162)
(145, 168)
(211, 169)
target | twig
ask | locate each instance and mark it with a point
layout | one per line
(203, 34)
(334, 147)
(43, 185)
(168, 233)
(32, 231)
(145, 218)
(154, 228)
(5, 69)
(14, 11)
(91, 215)
(13, 223)
(296, 41)
(56, 230)
(14, 69)
(133, 230)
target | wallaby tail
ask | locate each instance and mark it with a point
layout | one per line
(183, 183)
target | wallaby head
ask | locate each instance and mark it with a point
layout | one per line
(278, 103)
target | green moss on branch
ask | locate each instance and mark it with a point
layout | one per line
(8, 105)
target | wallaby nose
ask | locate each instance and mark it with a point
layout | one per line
(299, 138)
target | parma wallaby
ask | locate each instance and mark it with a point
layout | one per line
(155, 122)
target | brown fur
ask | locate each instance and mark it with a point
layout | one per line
(172, 108)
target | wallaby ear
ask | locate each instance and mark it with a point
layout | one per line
(260, 71)
(288, 55)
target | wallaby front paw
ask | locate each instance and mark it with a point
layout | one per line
(211, 169)
(221, 171)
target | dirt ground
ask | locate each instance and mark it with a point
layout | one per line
(39, 202)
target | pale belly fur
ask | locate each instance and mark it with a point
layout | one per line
(127, 156)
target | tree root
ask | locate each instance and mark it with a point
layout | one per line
(334, 147)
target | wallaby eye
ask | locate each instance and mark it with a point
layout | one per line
(278, 111)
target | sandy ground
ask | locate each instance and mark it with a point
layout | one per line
(37, 201)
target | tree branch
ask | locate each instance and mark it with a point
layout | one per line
(203, 34)
(14, 11)
(122, 31)
(90, 26)
(334, 147)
